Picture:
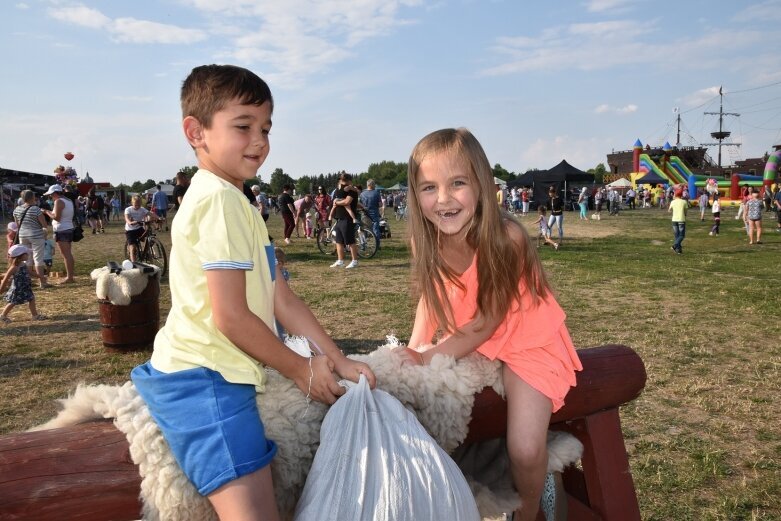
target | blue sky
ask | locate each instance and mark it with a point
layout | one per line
(361, 81)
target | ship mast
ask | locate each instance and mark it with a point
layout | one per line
(722, 134)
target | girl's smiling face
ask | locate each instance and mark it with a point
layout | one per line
(447, 193)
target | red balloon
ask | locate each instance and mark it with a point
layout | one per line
(69, 155)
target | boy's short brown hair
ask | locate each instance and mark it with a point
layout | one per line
(209, 88)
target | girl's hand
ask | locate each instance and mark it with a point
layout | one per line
(409, 356)
(352, 370)
(324, 388)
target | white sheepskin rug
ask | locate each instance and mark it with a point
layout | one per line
(119, 288)
(440, 394)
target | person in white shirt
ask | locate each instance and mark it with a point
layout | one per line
(703, 202)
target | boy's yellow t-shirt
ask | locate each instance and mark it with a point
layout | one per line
(215, 228)
(678, 208)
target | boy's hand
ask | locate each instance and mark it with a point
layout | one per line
(324, 387)
(352, 370)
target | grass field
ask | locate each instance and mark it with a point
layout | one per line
(704, 438)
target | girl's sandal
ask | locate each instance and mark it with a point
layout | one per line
(5, 320)
(40, 317)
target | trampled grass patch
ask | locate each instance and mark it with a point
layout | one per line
(703, 438)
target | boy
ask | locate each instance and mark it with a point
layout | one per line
(678, 207)
(209, 358)
(48, 256)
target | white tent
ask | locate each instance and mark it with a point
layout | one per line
(620, 183)
(499, 182)
(167, 189)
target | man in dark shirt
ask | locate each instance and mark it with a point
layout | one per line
(287, 209)
(182, 184)
(345, 229)
(372, 201)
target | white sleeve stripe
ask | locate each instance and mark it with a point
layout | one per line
(228, 265)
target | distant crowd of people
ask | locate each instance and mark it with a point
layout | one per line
(339, 210)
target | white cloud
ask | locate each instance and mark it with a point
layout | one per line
(581, 153)
(626, 109)
(127, 30)
(130, 30)
(610, 44)
(699, 97)
(22, 6)
(598, 6)
(133, 99)
(292, 40)
(285, 41)
(80, 15)
(768, 11)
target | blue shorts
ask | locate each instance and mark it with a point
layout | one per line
(212, 426)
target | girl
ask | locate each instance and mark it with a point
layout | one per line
(556, 207)
(10, 236)
(583, 203)
(542, 221)
(21, 288)
(753, 214)
(308, 225)
(598, 197)
(716, 210)
(465, 251)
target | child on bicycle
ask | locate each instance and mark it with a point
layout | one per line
(209, 359)
(135, 215)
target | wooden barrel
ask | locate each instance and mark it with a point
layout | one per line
(132, 327)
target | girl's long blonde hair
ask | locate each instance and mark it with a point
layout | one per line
(501, 263)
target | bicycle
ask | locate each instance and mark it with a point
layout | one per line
(149, 249)
(364, 239)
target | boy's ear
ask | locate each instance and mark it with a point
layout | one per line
(193, 131)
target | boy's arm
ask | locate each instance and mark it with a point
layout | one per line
(298, 319)
(233, 318)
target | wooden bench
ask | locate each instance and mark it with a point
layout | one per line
(85, 472)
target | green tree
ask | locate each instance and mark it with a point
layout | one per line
(387, 173)
(189, 170)
(502, 173)
(278, 179)
(139, 186)
(306, 184)
(599, 172)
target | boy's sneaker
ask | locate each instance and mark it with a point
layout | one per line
(337, 264)
(553, 502)
(353, 264)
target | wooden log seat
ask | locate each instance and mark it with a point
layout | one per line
(85, 472)
(602, 489)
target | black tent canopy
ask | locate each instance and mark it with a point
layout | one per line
(652, 178)
(18, 179)
(561, 176)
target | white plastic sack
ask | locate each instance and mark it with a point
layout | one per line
(376, 462)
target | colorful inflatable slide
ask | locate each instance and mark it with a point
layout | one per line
(674, 172)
